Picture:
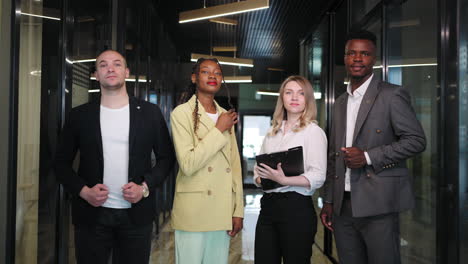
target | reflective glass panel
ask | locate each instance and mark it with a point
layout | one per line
(362, 8)
(463, 119)
(317, 65)
(317, 75)
(415, 67)
(38, 74)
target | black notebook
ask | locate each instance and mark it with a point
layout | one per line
(292, 163)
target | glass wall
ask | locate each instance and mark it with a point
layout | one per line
(338, 47)
(89, 35)
(415, 67)
(317, 67)
(37, 88)
(375, 26)
(361, 8)
(317, 71)
(463, 122)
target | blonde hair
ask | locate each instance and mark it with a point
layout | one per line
(310, 111)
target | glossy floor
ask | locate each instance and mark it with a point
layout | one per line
(242, 246)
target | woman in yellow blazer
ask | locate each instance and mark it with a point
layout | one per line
(208, 203)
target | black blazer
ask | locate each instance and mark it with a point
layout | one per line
(82, 132)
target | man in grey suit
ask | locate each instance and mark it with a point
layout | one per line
(374, 131)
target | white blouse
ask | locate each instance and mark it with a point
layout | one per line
(314, 143)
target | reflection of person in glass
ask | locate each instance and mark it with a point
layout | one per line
(287, 223)
(114, 189)
(208, 204)
(374, 130)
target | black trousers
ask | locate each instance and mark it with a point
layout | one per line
(285, 229)
(366, 240)
(114, 232)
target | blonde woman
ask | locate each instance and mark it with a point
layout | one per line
(208, 204)
(287, 223)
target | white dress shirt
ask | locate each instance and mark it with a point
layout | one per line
(314, 144)
(354, 102)
(115, 129)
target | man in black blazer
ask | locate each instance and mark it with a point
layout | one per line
(113, 190)
(374, 131)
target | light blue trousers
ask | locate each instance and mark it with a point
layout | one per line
(210, 247)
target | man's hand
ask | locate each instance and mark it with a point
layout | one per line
(132, 192)
(226, 120)
(354, 157)
(264, 171)
(326, 215)
(95, 196)
(237, 225)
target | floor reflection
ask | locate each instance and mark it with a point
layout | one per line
(242, 246)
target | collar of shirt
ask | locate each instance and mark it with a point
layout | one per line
(361, 90)
(283, 124)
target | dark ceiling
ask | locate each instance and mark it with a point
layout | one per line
(270, 36)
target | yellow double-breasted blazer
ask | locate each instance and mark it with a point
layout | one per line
(209, 182)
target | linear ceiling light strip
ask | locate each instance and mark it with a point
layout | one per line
(238, 79)
(224, 60)
(223, 10)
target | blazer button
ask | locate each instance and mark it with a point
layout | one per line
(337, 154)
(209, 192)
(378, 131)
(210, 169)
(228, 170)
(368, 175)
(336, 176)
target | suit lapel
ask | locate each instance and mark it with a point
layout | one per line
(366, 105)
(95, 121)
(340, 131)
(341, 117)
(135, 118)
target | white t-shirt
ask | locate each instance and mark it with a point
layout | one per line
(115, 127)
(213, 117)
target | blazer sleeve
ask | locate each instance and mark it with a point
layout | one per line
(191, 157)
(407, 129)
(237, 177)
(164, 152)
(65, 154)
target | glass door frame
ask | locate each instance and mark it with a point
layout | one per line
(9, 48)
(448, 209)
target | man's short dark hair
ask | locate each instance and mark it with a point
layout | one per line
(362, 34)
